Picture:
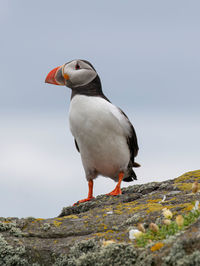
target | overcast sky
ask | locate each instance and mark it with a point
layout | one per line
(148, 58)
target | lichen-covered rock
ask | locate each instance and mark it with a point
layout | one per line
(81, 234)
(11, 255)
(92, 253)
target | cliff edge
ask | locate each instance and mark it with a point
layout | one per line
(99, 232)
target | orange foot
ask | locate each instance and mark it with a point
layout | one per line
(83, 200)
(115, 192)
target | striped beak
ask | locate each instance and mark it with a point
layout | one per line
(56, 77)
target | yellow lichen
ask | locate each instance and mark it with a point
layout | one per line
(106, 235)
(118, 211)
(72, 216)
(138, 208)
(38, 220)
(102, 226)
(172, 199)
(85, 217)
(185, 207)
(193, 175)
(154, 207)
(132, 207)
(153, 200)
(131, 203)
(184, 186)
(157, 246)
(56, 223)
(188, 207)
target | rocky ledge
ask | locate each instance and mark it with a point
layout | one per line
(97, 232)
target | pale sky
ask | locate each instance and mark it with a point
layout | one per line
(148, 58)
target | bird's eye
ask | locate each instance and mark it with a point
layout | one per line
(77, 66)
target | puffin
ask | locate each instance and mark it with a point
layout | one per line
(102, 132)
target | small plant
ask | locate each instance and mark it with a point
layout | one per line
(179, 220)
(168, 229)
(46, 226)
(167, 213)
(134, 234)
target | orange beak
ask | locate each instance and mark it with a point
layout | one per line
(56, 77)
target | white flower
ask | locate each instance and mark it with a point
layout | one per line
(134, 233)
(196, 206)
(167, 213)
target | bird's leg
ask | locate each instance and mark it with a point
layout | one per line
(117, 190)
(90, 193)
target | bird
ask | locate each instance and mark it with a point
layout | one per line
(102, 132)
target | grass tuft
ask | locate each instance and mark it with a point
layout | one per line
(167, 230)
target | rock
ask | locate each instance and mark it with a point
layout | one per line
(78, 235)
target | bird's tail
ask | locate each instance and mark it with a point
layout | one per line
(130, 175)
(136, 164)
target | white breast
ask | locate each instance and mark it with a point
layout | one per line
(100, 131)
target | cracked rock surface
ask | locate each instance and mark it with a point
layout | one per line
(76, 236)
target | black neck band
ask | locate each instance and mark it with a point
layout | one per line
(91, 89)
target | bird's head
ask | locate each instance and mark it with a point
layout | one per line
(74, 74)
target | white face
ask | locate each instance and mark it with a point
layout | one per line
(79, 72)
